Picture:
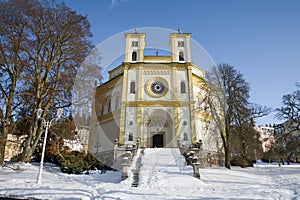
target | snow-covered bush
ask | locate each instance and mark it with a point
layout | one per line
(75, 162)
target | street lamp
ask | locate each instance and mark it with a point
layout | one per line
(47, 125)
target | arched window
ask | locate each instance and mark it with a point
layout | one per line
(130, 137)
(181, 56)
(102, 109)
(185, 137)
(132, 87)
(117, 102)
(182, 87)
(109, 106)
(134, 56)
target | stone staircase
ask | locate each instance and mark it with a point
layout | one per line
(136, 171)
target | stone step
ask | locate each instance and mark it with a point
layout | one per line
(136, 171)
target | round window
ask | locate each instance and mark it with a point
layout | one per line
(157, 87)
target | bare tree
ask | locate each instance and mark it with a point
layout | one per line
(13, 60)
(83, 92)
(291, 107)
(228, 95)
(56, 42)
(288, 134)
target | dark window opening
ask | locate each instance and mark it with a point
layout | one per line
(135, 44)
(181, 56)
(180, 43)
(182, 87)
(132, 87)
(134, 56)
(109, 106)
(130, 137)
(185, 137)
(102, 109)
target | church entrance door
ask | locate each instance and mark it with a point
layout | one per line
(158, 140)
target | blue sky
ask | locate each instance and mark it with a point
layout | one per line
(260, 38)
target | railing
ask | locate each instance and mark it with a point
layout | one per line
(123, 156)
(198, 158)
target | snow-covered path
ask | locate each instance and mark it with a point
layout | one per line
(162, 176)
(163, 166)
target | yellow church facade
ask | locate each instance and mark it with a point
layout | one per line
(154, 100)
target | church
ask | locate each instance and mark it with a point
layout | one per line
(156, 100)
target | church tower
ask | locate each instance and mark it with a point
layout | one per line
(180, 47)
(135, 44)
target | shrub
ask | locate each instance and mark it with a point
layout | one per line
(75, 162)
(239, 161)
(71, 162)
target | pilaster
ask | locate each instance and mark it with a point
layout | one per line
(192, 102)
(123, 105)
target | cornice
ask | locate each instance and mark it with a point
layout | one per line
(158, 103)
(110, 115)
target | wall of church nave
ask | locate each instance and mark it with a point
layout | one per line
(184, 124)
(199, 98)
(105, 136)
(198, 72)
(182, 85)
(116, 98)
(110, 101)
(209, 134)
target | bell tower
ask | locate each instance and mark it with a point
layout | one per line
(135, 44)
(180, 46)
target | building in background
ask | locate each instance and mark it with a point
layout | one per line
(13, 146)
(266, 136)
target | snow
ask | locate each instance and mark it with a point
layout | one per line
(163, 175)
(74, 145)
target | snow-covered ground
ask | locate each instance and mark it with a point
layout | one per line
(163, 175)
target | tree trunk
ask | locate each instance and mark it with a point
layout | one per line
(31, 143)
(289, 157)
(3, 141)
(225, 140)
(2, 149)
(227, 157)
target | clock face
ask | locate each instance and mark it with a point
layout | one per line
(157, 87)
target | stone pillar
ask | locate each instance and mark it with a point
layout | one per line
(196, 166)
(125, 168)
(129, 157)
(190, 157)
(116, 153)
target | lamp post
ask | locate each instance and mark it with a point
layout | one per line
(47, 125)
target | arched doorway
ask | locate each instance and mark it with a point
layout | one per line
(158, 128)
